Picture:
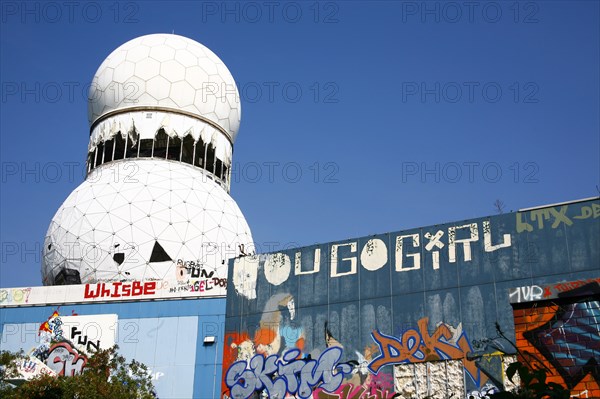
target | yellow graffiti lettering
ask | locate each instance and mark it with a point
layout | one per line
(18, 296)
(557, 215)
(560, 216)
(589, 212)
(521, 225)
(540, 215)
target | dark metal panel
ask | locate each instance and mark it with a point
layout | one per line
(343, 271)
(312, 321)
(409, 264)
(514, 263)
(552, 253)
(376, 264)
(375, 314)
(344, 326)
(313, 286)
(478, 311)
(442, 306)
(407, 310)
(584, 240)
(437, 273)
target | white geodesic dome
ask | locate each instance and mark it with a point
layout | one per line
(134, 220)
(166, 72)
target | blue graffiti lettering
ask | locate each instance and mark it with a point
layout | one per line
(288, 374)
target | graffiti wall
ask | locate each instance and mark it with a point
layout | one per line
(167, 336)
(559, 330)
(66, 342)
(62, 344)
(410, 313)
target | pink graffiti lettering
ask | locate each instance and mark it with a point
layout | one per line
(199, 285)
(63, 359)
(349, 391)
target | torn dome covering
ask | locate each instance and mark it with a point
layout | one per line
(146, 125)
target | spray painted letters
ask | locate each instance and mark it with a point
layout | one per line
(288, 374)
(417, 345)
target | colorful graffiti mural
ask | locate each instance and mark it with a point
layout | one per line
(286, 374)
(417, 345)
(563, 336)
(65, 360)
(406, 308)
(65, 343)
(276, 362)
(294, 374)
(290, 372)
(166, 336)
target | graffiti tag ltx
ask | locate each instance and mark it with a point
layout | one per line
(557, 216)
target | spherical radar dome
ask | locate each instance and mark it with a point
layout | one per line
(166, 71)
(143, 220)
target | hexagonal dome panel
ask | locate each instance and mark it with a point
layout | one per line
(159, 86)
(121, 73)
(178, 59)
(147, 68)
(186, 58)
(183, 93)
(140, 225)
(162, 53)
(172, 70)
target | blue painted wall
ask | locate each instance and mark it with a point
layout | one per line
(165, 335)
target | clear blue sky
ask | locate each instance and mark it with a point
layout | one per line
(497, 100)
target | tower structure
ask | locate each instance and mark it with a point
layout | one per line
(164, 112)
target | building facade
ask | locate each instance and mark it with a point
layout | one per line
(426, 312)
(176, 333)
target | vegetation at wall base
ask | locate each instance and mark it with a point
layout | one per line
(106, 375)
(533, 385)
